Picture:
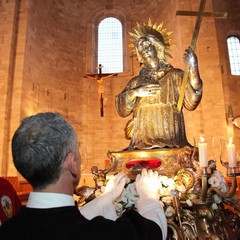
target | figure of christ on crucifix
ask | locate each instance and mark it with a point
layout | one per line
(100, 80)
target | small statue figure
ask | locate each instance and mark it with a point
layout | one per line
(152, 96)
(99, 177)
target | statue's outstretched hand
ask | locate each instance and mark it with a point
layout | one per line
(190, 58)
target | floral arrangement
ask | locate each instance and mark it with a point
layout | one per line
(170, 187)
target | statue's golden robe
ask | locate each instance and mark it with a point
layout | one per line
(156, 122)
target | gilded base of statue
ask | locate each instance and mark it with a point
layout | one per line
(166, 161)
(193, 212)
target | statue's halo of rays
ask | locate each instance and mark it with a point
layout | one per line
(156, 30)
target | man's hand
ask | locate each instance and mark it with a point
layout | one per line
(148, 184)
(115, 186)
(103, 205)
(148, 205)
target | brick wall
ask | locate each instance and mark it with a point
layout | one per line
(44, 64)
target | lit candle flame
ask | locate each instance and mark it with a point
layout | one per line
(202, 139)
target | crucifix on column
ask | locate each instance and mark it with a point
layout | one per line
(200, 14)
(100, 80)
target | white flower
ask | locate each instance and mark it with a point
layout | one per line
(124, 196)
(130, 203)
(217, 180)
(163, 180)
(217, 199)
(169, 211)
(167, 199)
(189, 202)
(218, 174)
(128, 197)
(164, 192)
(131, 189)
(214, 206)
(119, 207)
(171, 184)
(214, 181)
(224, 188)
(181, 188)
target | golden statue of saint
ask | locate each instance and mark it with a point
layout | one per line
(152, 96)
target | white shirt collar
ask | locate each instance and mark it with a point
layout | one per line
(49, 200)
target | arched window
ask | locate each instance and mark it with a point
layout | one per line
(110, 45)
(233, 44)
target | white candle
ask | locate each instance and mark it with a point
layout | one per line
(203, 154)
(231, 153)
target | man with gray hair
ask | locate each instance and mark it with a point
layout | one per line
(45, 151)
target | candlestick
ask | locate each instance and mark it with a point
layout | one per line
(231, 153)
(203, 153)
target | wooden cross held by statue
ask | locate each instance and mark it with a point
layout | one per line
(100, 80)
(199, 15)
